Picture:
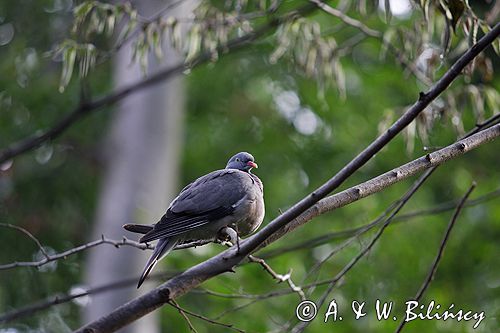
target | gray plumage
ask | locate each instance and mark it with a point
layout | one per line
(230, 197)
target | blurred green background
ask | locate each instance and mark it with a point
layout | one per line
(300, 135)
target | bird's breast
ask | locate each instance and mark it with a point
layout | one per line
(252, 213)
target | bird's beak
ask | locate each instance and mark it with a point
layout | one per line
(252, 164)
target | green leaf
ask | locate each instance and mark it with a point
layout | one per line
(456, 9)
(194, 44)
(446, 38)
(389, 35)
(110, 24)
(339, 78)
(492, 98)
(81, 11)
(87, 58)
(131, 25)
(69, 56)
(496, 44)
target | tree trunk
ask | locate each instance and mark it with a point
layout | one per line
(142, 166)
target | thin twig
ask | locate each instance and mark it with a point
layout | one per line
(241, 307)
(437, 259)
(103, 240)
(68, 297)
(395, 207)
(183, 314)
(281, 278)
(211, 321)
(347, 19)
(63, 255)
(30, 235)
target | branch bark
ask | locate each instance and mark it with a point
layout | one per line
(225, 261)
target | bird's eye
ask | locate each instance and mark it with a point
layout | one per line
(237, 159)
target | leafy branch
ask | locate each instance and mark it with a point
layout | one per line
(86, 108)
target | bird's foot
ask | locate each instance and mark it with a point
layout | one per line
(238, 244)
(228, 236)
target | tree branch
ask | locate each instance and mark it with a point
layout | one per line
(30, 235)
(67, 297)
(432, 271)
(214, 322)
(63, 255)
(183, 314)
(347, 233)
(86, 108)
(347, 19)
(103, 240)
(281, 278)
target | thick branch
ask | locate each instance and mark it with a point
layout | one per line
(226, 260)
(348, 233)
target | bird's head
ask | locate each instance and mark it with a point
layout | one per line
(242, 161)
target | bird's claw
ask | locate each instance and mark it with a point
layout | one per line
(227, 234)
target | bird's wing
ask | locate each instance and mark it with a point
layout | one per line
(209, 198)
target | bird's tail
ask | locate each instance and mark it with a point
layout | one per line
(164, 246)
(138, 228)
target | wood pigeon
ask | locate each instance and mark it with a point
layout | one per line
(231, 197)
